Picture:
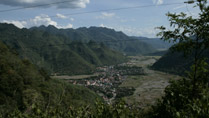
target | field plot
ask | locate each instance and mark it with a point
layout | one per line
(132, 81)
(148, 87)
(66, 77)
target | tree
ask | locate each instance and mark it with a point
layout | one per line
(191, 35)
(188, 97)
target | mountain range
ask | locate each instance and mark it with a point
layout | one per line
(156, 43)
(57, 53)
(109, 37)
(75, 51)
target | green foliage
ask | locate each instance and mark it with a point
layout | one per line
(190, 33)
(119, 110)
(188, 97)
(179, 64)
(115, 40)
(23, 87)
(57, 53)
(191, 36)
(181, 100)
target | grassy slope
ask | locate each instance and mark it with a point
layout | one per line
(22, 85)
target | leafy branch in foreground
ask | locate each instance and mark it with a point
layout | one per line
(190, 34)
(188, 97)
(102, 110)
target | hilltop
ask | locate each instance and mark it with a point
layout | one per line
(58, 53)
(115, 40)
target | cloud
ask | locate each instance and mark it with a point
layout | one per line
(123, 20)
(37, 21)
(20, 24)
(41, 20)
(131, 31)
(102, 25)
(148, 32)
(72, 19)
(158, 2)
(180, 7)
(65, 27)
(61, 16)
(105, 15)
(60, 3)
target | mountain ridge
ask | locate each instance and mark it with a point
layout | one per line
(23, 85)
(57, 53)
(115, 40)
(156, 43)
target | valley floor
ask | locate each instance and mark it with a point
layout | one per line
(139, 88)
(149, 87)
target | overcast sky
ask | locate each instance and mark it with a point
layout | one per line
(133, 22)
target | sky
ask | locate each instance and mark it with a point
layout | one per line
(140, 21)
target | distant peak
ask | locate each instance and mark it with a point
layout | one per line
(51, 26)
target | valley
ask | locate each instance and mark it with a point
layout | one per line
(133, 81)
(104, 59)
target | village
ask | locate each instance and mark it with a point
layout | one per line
(108, 80)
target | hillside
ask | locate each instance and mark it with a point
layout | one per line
(158, 53)
(23, 86)
(109, 37)
(156, 43)
(56, 52)
(174, 62)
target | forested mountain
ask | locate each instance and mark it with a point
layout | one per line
(23, 86)
(175, 62)
(156, 43)
(109, 37)
(56, 52)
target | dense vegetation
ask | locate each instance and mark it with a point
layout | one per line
(109, 37)
(156, 43)
(30, 93)
(175, 62)
(188, 97)
(57, 53)
(23, 87)
(119, 110)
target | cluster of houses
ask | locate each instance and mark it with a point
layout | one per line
(106, 84)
